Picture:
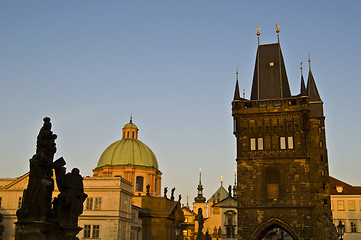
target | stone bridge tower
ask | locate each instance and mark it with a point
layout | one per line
(282, 166)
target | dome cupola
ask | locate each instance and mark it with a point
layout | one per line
(130, 130)
(131, 159)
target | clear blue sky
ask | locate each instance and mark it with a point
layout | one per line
(89, 64)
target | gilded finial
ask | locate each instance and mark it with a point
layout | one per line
(301, 69)
(221, 180)
(237, 73)
(131, 117)
(278, 32)
(309, 61)
(258, 33)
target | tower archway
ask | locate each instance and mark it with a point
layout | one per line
(273, 227)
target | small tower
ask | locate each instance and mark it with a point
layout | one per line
(200, 200)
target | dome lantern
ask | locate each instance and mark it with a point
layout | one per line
(130, 130)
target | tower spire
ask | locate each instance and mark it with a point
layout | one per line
(200, 176)
(235, 184)
(200, 198)
(312, 91)
(303, 91)
(237, 96)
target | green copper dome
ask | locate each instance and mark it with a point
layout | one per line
(129, 151)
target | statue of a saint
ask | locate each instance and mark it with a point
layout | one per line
(68, 205)
(37, 197)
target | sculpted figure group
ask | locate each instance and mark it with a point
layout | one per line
(37, 204)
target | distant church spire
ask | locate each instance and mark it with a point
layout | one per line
(200, 198)
(237, 96)
(303, 91)
(235, 184)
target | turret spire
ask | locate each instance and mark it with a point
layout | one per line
(303, 91)
(316, 109)
(312, 91)
(236, 91)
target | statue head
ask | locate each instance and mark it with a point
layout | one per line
(75, 171)
(47, 123)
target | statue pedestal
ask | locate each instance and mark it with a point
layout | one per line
(38, 230)
(31, 230)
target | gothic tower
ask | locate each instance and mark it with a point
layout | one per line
(282, 166)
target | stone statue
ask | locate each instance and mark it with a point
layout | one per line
(68, 205)
(172, 196)
(200, 220)
(37, 197)
(179, 197)
(230, 190)
(148, 190)
(165, 192)
(36, 218)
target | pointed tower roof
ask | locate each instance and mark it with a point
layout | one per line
(270, 78)
(312, 91)
(237, 96)
(303, 91)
